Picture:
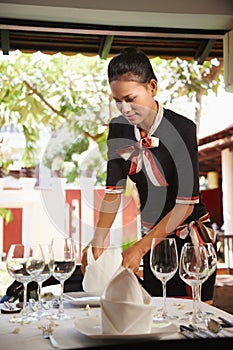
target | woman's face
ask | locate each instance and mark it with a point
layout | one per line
(136, 101)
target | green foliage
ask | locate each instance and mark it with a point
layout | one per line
(128, 244)
(4, 165)
(57, 92)
(6, 214)
(47, 91)
(187, 78)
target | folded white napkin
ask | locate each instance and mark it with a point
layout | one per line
(126, 307)
(99, 272)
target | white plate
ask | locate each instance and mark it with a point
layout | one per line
(92, 327)
(83, 298)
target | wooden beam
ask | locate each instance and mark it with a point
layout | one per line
(5, 38)
(204, 50)
(106, 46)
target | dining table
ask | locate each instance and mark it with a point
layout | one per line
(83, 330)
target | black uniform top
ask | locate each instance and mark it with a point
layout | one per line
(175, 161)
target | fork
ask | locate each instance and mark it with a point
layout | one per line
(48, 334)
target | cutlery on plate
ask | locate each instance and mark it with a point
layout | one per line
(198, 334)
(206, 331)
(216, 327)
(226, 322)
(8, 305)
(9, 308)
(187, 333)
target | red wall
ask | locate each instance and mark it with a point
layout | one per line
(12, 232)
(213, 201)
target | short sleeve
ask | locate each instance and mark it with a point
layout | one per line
(117, 167)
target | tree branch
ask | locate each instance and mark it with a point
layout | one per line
(43, 99)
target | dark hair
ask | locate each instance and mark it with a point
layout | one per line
(133, 64)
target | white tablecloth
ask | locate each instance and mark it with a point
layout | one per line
(68, 337)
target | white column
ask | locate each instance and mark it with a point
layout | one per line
(51, 208)
(227, 188)
(116, 229)
(212, 178)
(1, 235)
(87, 208)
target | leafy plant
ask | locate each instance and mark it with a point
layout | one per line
(41, 92)
(6, 214)
(127, 243)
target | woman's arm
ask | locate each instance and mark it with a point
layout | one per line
(109, 207)
(108, 211)
(133, 255)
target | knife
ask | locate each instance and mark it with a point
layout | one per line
(196, 332)
(205, 331)
(228, 323)
(187, 333)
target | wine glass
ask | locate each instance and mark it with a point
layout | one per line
(163, 264)
(24, 263)
(193, 270)
(212, 266)
(43, 276)
(64, 255)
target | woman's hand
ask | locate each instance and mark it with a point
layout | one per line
(132, 257)
(97, 250)
(84, 260)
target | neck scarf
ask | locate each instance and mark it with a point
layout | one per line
(140, 153)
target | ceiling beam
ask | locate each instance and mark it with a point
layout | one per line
(104, 51)
(106, 30)
(204, 50)
(5, 39)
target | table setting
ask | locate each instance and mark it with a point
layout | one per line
(85, 329)
(116, 311)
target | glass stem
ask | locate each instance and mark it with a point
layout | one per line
(164, 314)
(199, 311)
(24, 310)
(196, 298)
(61, 308)
(39, 295)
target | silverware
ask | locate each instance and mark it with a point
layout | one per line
(33, 305)
(8, 305)
(10, 309)
(187, 333)
(209, 333)
(226, 322)
(55, 303)
(45, 305)
(196, 333)
(48, 334)
(215, 327)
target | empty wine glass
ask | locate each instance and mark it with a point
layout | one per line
(64, 255)
(193, 270)
(43, 276)
(24, 262)
(164, 264)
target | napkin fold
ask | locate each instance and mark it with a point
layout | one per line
(126, 307)
(100, 271)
